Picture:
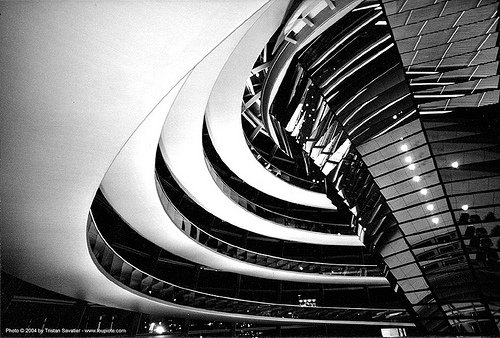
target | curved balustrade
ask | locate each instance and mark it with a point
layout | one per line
(242, 254)
(311, 185)
(331, 228)
(133, 278)
(285, 176)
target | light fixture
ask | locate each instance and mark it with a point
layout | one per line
(454, 164)
(394, 117)
(435, 220)
(416, 178)
(408, 159)
(421, 72)
(411, 166)
(465, 207)
(429, 112)
(404, 147)
(160, 329)
(423, 191)
(430, 207)
(437, 96)
(431, 83)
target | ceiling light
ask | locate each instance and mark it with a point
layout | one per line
(408, 159)
(416, 178)
(430, 207)
(411, 166)
(423, 191)
(160, 329)
(394, 117)
(404, 147)
(465, 207)
(435, 220)
(454, 164)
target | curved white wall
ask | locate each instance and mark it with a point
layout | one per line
(223, 117)
(181, 140)
(78, 78)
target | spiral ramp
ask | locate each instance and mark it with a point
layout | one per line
(86, 109)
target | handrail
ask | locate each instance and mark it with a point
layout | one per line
(278, 172)
(283, 174)
(242, 254)
(285, 51)
(131, 277)
(331, 228)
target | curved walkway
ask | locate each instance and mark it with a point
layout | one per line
(135, 279)
(223, 118)
(74, 95)
(181, 141)
(130, 187)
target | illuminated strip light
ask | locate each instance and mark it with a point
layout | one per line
(381, 23)
(418, 72)
(394, 124)
(350, 101)
(345, 66)
(401, 8)
(442, 56)
(475, 87)
(481, 100)
(377, 112)
(344, 39)
(447, 103)
(329, 98)
(358, 109)
(474, 72)
(452, 35)
(430, 112)
(484, 41)
(339, 81)
(437, 96)
(360, 134)
(422, 28)
(444, 7)
(431, 83)
(418, 41)
(414, 57)
(475, 56)
(458, 19)
(493, 24)
(376, 6)
(409, 17)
